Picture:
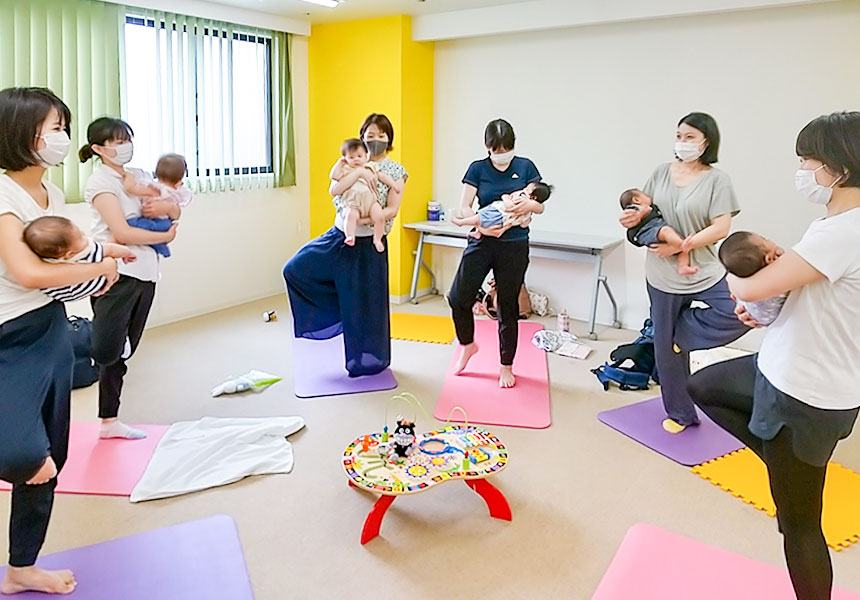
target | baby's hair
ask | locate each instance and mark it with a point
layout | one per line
(49, 237)
(352, 144)
(627, 197)
(740, 254)
(542, 191)
(171, 168)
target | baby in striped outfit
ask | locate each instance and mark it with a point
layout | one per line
(56, 239)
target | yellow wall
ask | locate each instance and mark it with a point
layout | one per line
(360, 67)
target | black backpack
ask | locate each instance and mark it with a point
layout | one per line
(85, 371)
(633, 365)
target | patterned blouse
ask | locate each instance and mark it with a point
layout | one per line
(395, 171)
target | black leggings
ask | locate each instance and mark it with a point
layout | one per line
(724, 391)
(118, 315)
(508, 261)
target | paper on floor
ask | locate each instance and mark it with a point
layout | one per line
(196, 455)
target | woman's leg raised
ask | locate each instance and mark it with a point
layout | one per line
(712, 327)
(724, 392)
(310, 281)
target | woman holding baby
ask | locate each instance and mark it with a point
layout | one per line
(698, 201)
(794, 400)
(339, 288)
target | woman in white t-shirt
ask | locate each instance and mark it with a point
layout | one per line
(119, 316)
(35, 348)
(797, 398)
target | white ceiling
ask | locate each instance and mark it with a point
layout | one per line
(359, 9)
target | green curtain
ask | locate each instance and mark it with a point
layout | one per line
(71, 47)
(283, 146)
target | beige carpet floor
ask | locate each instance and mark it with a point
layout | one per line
(574, 488)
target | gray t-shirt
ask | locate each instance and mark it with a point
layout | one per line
(688, 210)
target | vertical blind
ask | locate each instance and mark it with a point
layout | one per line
(71, 47)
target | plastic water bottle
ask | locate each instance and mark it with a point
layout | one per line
(563, 321)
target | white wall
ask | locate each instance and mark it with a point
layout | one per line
(596, 108)
(231, 247)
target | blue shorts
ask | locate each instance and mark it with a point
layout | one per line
(490, 216)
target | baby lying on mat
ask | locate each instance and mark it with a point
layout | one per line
(499, 213)
(56, 239)
(745, 254)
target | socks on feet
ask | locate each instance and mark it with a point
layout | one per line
(118, 429)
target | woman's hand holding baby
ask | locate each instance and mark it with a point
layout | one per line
(158, 209)
(665, 250)
(630, 218)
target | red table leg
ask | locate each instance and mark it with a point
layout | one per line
(496, 501)
(374, 518)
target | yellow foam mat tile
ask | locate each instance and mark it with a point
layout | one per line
(422, 328)
(744, 476)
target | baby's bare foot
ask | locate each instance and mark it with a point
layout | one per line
(688, 270)
(378, 245)
(349, 241)
(32, 579)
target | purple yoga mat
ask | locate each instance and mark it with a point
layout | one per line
(643, 422)
(200, 560)
(318, 371)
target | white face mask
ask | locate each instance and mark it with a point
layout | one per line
(56, 148)
(804, 181)
(124, 152)
(688, 151)
(503, 158)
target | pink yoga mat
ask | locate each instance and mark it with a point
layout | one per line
(654, 564)
(477, 388)
(104, 467)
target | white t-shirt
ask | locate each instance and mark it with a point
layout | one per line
(811, 350)
(106, 180)
(16, 300)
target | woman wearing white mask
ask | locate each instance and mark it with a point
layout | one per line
(797, 398)
(35, 349)
(120, 315)
(504, 250)
(695, 198)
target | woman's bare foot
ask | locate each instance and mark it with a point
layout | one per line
(378, 245)
(46, 473)
(349, 241)
(506, 377)
(32, 579)
(466, 353)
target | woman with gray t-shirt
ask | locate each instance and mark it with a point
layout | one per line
(694, 197)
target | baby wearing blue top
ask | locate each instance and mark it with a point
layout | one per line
(744, 254)
(499, 213)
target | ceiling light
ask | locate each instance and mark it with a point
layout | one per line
(326, 3)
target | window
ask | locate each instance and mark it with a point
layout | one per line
(201, 89)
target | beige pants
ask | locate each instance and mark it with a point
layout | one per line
(359, 197)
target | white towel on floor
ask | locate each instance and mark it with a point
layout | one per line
(196, 455)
